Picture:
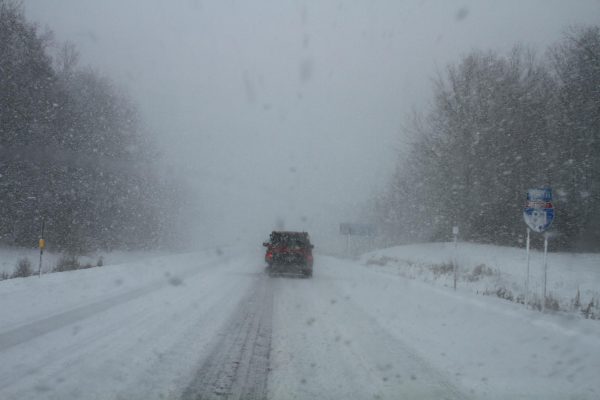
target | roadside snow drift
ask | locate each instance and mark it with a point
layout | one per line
(573, 280)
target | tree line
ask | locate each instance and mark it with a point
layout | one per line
(498, 125)
(73, 151)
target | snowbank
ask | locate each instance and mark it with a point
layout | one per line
(573, 279)
(10, 256)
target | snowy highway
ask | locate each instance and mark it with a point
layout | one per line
(431, 169)
(213, 325)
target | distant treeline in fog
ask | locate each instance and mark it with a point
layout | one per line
(499, 124)
(72, 151)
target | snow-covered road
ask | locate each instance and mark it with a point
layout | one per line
(213, 325)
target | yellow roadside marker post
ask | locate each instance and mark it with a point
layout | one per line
(42, 245)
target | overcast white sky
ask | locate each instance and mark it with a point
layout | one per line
(289, 109)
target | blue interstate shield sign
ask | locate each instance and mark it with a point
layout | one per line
(539, 211)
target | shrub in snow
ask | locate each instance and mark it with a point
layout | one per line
(504, 293)
(552, 303)
(479, 272)
(591, 311)
(100, 262)
(67, 263)
(23, 268)
(442, 269)
(577, 300)
(535, 302)
(4, 275)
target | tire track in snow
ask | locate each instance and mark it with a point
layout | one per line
(327, 345)
(238, 365)
(101, 355)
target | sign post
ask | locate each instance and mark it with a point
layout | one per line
(527, 278)
(42, 245)
(539, 215)
(545, 265)
(455, 263)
